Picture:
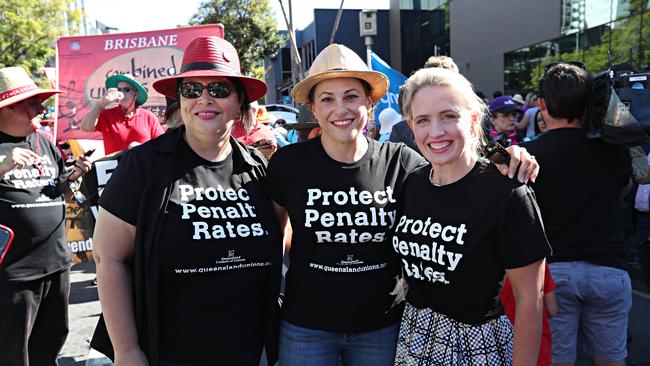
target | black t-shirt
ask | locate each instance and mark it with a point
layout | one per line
(215, 259)
(578, 191)
(32, 205)
(456, 240)
(341, 266)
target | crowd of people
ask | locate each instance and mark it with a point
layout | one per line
(412, 248)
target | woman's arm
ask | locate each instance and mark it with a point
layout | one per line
(114, 242)
(528, 289)
(550, 304)
(285, 225)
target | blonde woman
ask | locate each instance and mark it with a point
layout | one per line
(460, 227)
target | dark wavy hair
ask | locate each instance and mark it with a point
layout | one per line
(566, 90)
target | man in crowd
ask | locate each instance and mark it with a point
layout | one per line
(35, 273)
(578, 192)
(121, 121)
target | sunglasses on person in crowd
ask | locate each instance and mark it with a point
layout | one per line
(574, 63)
(125, 89)
(217, 89)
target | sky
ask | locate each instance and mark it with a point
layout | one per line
(141, 15)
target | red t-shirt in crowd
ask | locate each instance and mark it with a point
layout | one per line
(118, 130)
(508, 300)
(258, 132)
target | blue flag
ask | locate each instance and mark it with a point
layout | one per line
(396, 79)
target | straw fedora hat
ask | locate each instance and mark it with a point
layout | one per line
(16, 85)
(207, 57)
(338, 61)
(114, 80)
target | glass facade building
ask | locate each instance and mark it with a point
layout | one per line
(591, 31)
(424, 32)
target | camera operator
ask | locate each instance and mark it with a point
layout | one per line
(35, 274)
(578, 193)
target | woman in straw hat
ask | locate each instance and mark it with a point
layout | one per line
(186, 215)
(35, 273)
(340, 191)
(482, 226)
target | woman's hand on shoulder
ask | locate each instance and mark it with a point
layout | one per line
(527, 164)
(133, 357)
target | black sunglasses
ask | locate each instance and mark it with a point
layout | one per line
(219, 89)
(126, 89)
(574, 63)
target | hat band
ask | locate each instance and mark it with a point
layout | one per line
(13, 92)
(209, 66)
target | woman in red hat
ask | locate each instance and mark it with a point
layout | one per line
(187, 245)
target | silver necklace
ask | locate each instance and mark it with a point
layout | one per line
(431, 179)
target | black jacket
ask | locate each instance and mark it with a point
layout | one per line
(158, 159)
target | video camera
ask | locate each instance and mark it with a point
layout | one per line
(619, 111)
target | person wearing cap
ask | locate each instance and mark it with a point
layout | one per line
(503, 116)
(187, 216)
(120, 118)
(35, 274)
(517, 98)
(340, 191)
(387, 119)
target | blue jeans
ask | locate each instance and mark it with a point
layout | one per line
(593, 305)
(301, 346)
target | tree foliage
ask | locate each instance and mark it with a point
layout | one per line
(249, 26)
(29, 28)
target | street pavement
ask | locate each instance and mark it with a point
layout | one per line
(84, 313)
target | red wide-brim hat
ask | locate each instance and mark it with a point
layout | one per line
(209, 57)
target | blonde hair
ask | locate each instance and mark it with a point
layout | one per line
(443, 77)
(443, 62)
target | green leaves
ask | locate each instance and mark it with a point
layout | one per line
(249, 26)
(29, 28)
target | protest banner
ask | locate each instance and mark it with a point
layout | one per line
(81, 219)
(84, 63)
